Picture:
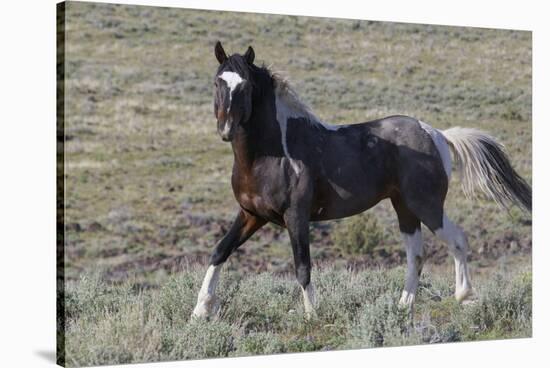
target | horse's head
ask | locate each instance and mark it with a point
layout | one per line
(232, 90)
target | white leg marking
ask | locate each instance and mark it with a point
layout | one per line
(309, 299)
(415, 253)
(457, 242)
(441, 143)
(207, 302)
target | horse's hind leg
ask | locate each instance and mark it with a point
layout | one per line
(409, 225)
(456, 240)
(430, 212)
(243, 227)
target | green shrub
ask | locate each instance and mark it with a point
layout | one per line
(199, 339)
(300, 344)
(338, 295)
(263, 314)
(178, 296)
(504, 306)
(382, 323)
(358, 234)
(129, 335)
(257, 343)
(90, 296)
(342, 293)
(262, 302)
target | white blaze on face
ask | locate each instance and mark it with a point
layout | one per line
(233, 80)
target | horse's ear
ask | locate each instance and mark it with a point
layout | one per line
(220, 52)
(249, 55)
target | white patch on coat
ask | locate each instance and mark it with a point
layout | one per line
(456, 240)
(414, 247)
(343, 193)
(441, 144)
(289, 105)
(283, 113)
(233, 80)
(284, 91)
(309, 299)
(207, 303)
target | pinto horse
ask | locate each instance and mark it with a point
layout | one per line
(291, 168)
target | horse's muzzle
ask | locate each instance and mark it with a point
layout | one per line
(227, 131)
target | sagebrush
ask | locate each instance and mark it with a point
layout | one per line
(263, 314)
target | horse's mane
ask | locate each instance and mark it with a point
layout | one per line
(288, 95)
(285, 91)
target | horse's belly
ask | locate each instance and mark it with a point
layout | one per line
(335, 200)
(341, 209)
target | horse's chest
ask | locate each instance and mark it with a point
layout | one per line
(252, 202)
(251, 194)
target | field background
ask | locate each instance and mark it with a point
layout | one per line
(147, 191)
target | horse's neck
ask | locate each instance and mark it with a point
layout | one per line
(260, 138)
(242, 151)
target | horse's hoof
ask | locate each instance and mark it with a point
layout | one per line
(205, 309)
(310, 315)
(407, 300)
(309, 312)
(200, 313)
(466, 297)
(469, 302)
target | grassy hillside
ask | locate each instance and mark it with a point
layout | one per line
(147, 191)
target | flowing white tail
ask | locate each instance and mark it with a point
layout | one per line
(483, 165)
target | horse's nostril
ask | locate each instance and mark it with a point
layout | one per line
(226, 137)
(224, 129)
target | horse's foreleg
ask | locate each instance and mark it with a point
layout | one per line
(298, 230)
(243, 227)
(456, 240)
